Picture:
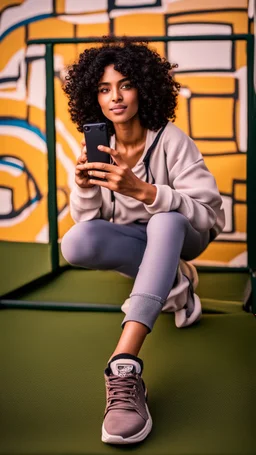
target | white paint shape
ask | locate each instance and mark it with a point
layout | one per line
(251, 8)
(134, 3)
(185, 92)
(240, 236)
(37, 84)
(10, 169)
(101, 18)
(198, 55)
(43, 235)
(241, 75)
(66, 162)
(35, 50)
(19, 93)
(5, 201)
(27, 10)
(239, 261)
(25, 135)
(19, 218)
(85, 6)
(61, 128)
(227, 206)
(12, 67)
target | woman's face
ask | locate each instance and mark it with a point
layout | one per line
(117, 98)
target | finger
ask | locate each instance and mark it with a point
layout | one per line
(83, 142)
(82, 158)
(99, 167)
(115, 155)
(101, 183)
(101, 175)
(79, 173)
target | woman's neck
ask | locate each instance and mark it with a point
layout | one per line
(130, 135)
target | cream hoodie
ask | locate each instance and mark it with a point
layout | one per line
(182, 180)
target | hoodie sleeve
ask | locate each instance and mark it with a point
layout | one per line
(192, 191)
(85, 203)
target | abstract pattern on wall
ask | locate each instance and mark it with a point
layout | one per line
(212, 104)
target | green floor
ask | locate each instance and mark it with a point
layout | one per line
(200, 379)
(201, 383)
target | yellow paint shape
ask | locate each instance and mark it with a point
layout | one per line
(10, 45)
(28, 229)
(13, 108)
(226, 169)
(139, 25)
(50, 28)
(222, 251)
(182, 114)
(32, 158)
(19, 185)
(65, 224)
(216, 147)
(85, 30)
(212, 117)
(239, 19)
(207, 84)
(31, 189)
(240, 54)
(188, 5)
(240, 192)
(67, 52)
(4, 3)
(60, 6)
(36, 117)
(240, 217)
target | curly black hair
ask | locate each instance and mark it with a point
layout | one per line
(147, 71)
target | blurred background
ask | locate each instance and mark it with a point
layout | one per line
(212, 103)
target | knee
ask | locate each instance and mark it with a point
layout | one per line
(168, 220)
(79, 245)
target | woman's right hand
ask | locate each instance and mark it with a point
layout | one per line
(81, 177)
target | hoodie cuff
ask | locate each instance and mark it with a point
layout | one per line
(166, 200)
(86, 192)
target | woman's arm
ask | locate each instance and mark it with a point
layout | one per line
(85, 203)
(192, 189)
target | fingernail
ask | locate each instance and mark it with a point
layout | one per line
(100, 147)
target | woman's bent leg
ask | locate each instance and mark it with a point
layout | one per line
(170, 236)
(101, 245)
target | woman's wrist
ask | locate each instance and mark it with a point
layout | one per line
(147, 193)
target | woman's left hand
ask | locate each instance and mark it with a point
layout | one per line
(118, 178)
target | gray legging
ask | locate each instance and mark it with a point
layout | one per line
(150, 253)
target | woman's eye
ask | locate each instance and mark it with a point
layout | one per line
(127, 86)
(103, 90)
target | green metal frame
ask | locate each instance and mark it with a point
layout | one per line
(52, 187)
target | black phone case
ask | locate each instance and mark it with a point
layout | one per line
(96, 134)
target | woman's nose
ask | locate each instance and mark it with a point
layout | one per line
(116, 96)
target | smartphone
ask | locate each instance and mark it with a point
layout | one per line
(96, 134)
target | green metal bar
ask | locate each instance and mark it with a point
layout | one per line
(251, 166)
(76, 307)
(95, 39)
(251, 159)
(51, 148)
(41, 305)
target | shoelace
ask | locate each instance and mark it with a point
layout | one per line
(122, 392)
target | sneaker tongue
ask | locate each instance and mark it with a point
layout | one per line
(124, 367)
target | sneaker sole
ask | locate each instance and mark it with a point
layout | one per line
(115, 439)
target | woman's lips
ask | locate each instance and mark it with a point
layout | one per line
(118, 110)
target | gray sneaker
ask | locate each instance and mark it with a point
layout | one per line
(126, 419)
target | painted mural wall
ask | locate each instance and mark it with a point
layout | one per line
(212, 103)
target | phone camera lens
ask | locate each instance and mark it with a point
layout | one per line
(87, 128)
